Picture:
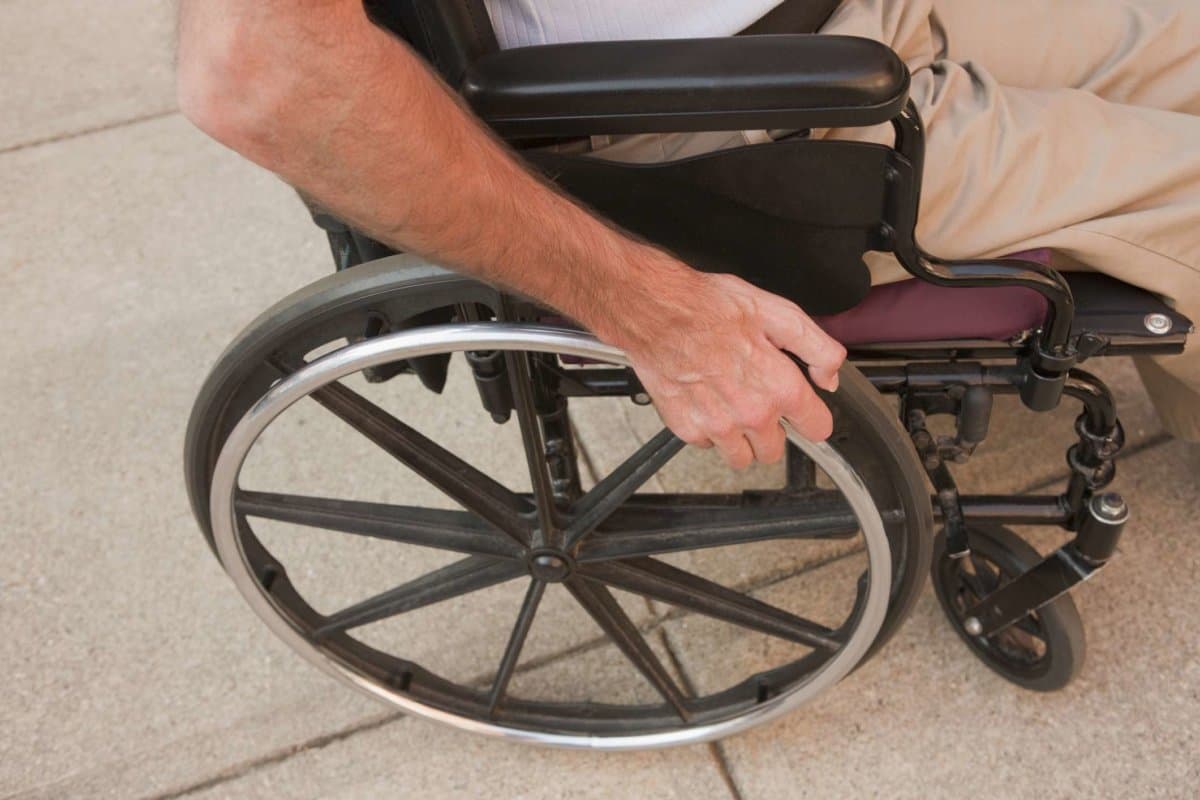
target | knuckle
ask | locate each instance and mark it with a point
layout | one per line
(822, 425)
(722, 428)
(790, 392)
(761, 415)
(794, 399)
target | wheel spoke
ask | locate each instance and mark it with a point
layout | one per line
(521, 380)
(454, 580)
(606, 496)
(447, 530)
(609, 615)
(989, 580)
(655, 579)
(819, 515)
(1029, 625)
(472, 489)
(512, 652)
(973, 582)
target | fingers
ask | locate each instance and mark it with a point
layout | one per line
(791, 329)
(707, 423)
(736, 450)
(768, 444)
(809, 415)
(726, 381)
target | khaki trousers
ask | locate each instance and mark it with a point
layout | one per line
(1072, 125)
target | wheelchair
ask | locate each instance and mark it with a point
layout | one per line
(624, 548)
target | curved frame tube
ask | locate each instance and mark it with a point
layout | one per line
(1046, 281)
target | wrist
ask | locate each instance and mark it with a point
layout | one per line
(652, 293)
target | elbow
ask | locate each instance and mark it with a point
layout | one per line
(224, 91)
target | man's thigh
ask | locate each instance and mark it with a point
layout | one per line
(1114, 187)
(1140, 52)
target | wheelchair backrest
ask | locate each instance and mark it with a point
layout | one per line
(450, 34)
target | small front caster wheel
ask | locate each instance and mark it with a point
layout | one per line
(1043, 651)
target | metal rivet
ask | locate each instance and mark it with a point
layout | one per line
(641, 399)
(1158, 324)
(973, 626)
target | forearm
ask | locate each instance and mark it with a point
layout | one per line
(346, 113)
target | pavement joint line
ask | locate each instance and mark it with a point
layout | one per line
(68, 136)
(284, 754)
(721, 762)
(589, 465)
(278, 756)
(655, 625)
(726, 770)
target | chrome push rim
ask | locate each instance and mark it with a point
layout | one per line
(443, 339)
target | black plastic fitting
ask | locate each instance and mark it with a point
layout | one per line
(491, 378)
(1041, 391)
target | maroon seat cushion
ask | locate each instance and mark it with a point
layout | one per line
(916, 311)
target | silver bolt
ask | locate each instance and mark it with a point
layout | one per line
(1158, 324)
(1110, 507)
(973, 626)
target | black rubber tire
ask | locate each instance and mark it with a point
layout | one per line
(879, 424)
(1058, 621)
(401, 287)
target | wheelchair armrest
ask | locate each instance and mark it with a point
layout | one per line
(676, 85)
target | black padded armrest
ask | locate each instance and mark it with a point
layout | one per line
(676, 85)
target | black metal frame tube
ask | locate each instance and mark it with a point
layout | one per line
(1013, 509)
(1056, 332)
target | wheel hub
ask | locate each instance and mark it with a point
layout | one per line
(551, 566)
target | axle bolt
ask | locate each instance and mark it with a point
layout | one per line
(549, 567)
(1158, 324)
(973, 626)
(1110, 507)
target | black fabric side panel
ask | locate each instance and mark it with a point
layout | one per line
(823, 183)
(818, 267)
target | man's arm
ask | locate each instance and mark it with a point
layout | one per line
(313, 91)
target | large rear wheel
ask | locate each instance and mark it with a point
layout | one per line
(538, 548)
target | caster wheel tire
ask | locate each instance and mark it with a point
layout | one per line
(1045, 650)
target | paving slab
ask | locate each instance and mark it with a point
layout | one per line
(128, 258)
(415, 758)
(72, 66)
(1025, 448)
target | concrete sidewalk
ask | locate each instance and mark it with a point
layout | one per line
(132, 250)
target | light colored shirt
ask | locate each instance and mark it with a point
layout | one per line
(519, 23)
